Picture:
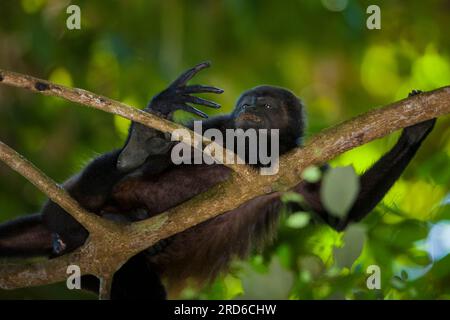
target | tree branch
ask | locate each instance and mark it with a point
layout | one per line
(106, 250)
(99, 102)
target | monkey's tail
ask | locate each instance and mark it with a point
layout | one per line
(25, 237)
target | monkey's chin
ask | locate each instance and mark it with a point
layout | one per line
(245, 125)
(247, 116)
(249, 120)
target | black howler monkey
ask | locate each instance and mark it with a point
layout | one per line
(139, 181)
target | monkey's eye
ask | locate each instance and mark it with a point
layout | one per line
(268, 106)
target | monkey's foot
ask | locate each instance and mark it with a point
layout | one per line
(414, 93)
(58, 245)
(416, 133)
(158, 247)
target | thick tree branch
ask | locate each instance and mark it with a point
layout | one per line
(96, 101)
(106, 251)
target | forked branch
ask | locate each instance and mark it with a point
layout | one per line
(110, 245)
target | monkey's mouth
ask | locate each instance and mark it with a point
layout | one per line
(246, 116)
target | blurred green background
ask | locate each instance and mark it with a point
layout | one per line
(322, 50)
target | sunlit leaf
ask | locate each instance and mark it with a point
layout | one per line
(233, 287)
(354, 239)
(431, 70)
(312, 174)
(262, 286)
(340, 187)
(298, 220)
(292, 197)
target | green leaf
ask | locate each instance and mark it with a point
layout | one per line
(311, 174)
(298, 220)
(340, 188)
(292, 197)
(233, 287)
(285, 255)
(262, 286)
(354, 239)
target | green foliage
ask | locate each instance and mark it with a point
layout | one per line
(298, 220)
(131, 50)
(292, 197)
(312, 174)
(339, 190)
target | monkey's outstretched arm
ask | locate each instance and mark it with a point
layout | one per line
(137, 279)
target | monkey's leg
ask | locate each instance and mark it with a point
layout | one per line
(137, 279)
(202, 252)
(377, 181)
(91, 188)
(25, 237)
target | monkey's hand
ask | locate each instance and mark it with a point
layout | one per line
(418, 132)
(178, 95)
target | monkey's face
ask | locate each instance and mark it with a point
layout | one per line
(267, 107)
(257, 112)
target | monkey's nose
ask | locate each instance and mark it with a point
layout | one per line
(250, 107)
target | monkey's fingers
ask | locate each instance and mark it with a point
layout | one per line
(201, 101)
(189, 74)
(193, 110)
(414, 93)
(201, 89)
